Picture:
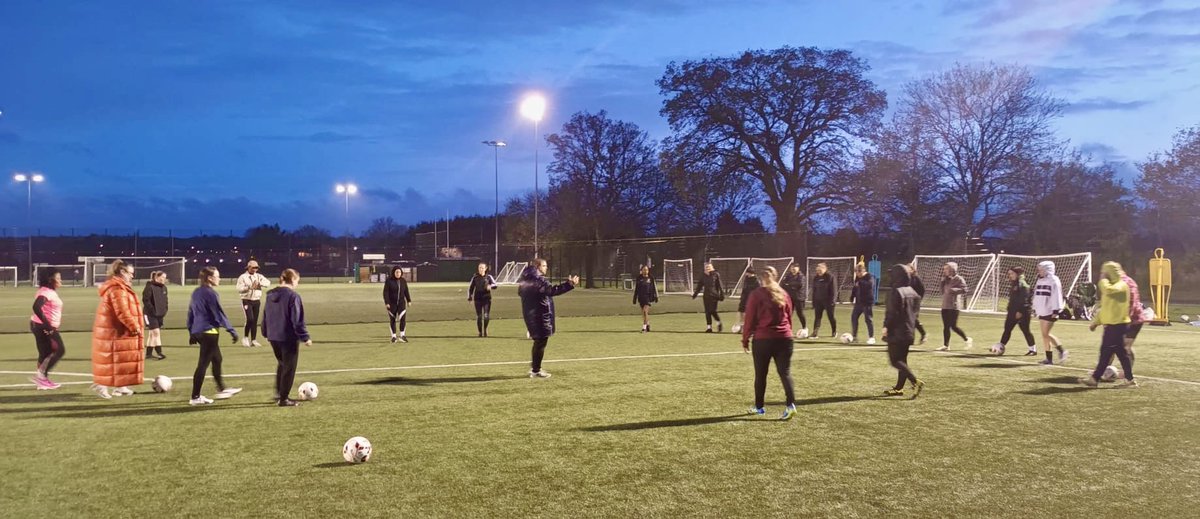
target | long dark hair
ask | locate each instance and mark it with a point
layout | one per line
(1020, 272)
(46, 277)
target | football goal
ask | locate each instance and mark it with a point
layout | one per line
(756, 265)
(510, 273)
(978, 271)
(8, 276)
(842, 268)
(731, 271)
(72, 275)
(1074, 270)
(95, 268)
(677, 276)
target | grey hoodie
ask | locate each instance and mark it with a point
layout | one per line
(953, 290)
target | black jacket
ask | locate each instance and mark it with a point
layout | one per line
(863, 292)
(794, 285)
(481, 287)
(395, 293)
(537, 301)
(824, 289)
(1018, 298)
(748, 286)
(644, 290)
(283, 316)
(154, 299)
(917, 285)
(710, 286)
(900, 316)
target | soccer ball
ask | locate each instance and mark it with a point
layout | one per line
(357, 450)
(846, 338)
(1111, 373)
(737, 328)
(1185, 318)
(998, 349)
(802, 334)
(162, 384)
(309, 391)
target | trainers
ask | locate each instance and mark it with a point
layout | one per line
(917, 387)
(1063, 356)
(255, 344)
(1046, 362)
(1088, 381)
(403, 338)
(647, 328)
(228, 392)
(122, 391)
(814, 336)
(922, 340)
(708, 330)
(788, 413)
(246, 342)
(287, 402)
(1032, 351)
(1128, 384)
(101, 391)
(969, 342)
(720, 327)
(893, 392)
(200, 400)
(944, 347)
(394, 338)
(756, 411)
(539, 374)
(871, 341)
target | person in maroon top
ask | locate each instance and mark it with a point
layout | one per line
(768, 326)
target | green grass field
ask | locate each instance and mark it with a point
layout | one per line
(631, 424)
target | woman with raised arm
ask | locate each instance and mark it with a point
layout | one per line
(537, 306)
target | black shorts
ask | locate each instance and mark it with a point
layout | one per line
(153, 323)
(644, 302)
(1133, 331)
(1049, 318)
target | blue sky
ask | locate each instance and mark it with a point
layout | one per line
(223, 115)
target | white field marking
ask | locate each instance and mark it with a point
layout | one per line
(67, 373)
(1059, 366)
(465, 365)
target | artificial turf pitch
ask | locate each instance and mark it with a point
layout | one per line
(630, 425)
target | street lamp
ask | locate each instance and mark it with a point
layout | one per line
(347, 190)
(496, 145)
(29, 179)
(533, 108)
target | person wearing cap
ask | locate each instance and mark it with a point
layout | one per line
(250, 287)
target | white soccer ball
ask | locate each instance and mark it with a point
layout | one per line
(162, 384)
(1185, 318)
(1111, 373)
(802, 334)
(309, 391)
(737, 328)
(357, 450)
(997, 348)
(846, 338)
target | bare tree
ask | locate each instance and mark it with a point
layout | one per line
(705, 189)
(1169, 188)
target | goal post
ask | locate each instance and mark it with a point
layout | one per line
(978, 270)
(757, 264)
(511, 272)
(71, 274)
(96, 268)
(677, 276)
(1074, 270)
(842, 269)
(8, 277)
(731, 271)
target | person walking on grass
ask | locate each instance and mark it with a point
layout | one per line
(250, 286)
(1137, 316)
(154, 304)
(1017, 313)
(767, 331)
(44, 324)
(954, 288)
(899, 327)
(749, 284)
(824, 295)
(117, 360)
(863, 296)
(645, 293)
(480, 291)
(283, 326)
(537, 307)
(918, 286)
(1114, 317)
(714, 292)
(1047, 303)
(793, 284)
(397, 300)
(205, 319)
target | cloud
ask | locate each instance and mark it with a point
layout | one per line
(1100, 152)
(1095, 104)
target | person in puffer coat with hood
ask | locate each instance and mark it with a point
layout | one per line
(1047, 303)
(283, 326)
(117, 360)
(537, 306)
(1115, 300)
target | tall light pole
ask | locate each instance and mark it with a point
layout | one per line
(534, 108)
(29, 179)
(347, 190)
(496, 145)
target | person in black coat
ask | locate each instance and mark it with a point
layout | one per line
(793, 284)
(284, 327)
(714, 292)
(1018, 312)
(824, 295)
(863, 296)
(480, 291)
(919, 288)
(396, 298)
(645, 293)
(749, 283)
(537, 306)
(154, 307)
(899, 323)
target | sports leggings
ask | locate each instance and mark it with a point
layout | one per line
(1011, 322)
(798, 304)
(287, 353)
(539, 352)
(483, 311)
(764, 351)
(210, 353)
(898, 356)
(869, 313)
(827, 309)
(50, 347)
(251, 308)
(710, 310)
(400, 315)
(950, 322)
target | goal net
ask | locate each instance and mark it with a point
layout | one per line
(1074, 270)
(731, 271)
(510, 273)
(677, 276)
(96, 268)
(72, 275)
(756, 265)
(8, 276)
(842, 268)
(977, 269)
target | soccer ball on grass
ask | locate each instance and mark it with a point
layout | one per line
(309, 391)
(737, 328)
(846, 338)
(357, 450)
(1111, 373)
(162, 384)
(802, 334)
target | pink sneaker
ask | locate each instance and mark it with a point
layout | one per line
(43, 382)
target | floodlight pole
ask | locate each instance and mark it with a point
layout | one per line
(496, 145)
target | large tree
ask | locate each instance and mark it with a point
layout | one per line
(789, 118)
(1075, 206)
(1169, 188)
(982, 129)
(705, 189)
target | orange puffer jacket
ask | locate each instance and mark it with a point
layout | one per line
(117, 359)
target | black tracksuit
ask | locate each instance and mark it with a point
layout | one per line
(645, 293)
(480, 292)
(794, 286)
(710, 286)
(863, 295)
(919, 288)
(283, 325)
(824, 294)
(1018, 302)
(900, 320)
(397, 298)
(748, 286)
(154, 304)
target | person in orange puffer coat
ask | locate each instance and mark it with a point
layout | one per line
(117, 360)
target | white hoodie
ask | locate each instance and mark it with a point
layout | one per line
(245, 284)
(1047, 292)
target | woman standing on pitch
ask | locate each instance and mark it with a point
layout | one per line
(44, 324)
(710, 286)
(863, 296)
(396, 298)
(793, 284)
(1018, 312)
(954, 287)
(154, 304)
(1114, 316)
(768, 327)
(205, 319)
(645, 293)
(899, 323)
(749, 284)
(824, 295)
(250, 287)
(1047, 303)
(537, 306)
(283, 325)
(480, 292)
(919, 287)
(117, 360)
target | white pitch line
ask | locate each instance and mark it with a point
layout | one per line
(1059, 366)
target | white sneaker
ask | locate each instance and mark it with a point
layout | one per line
(539, 374)
(101, 391)
(255, 344)
(200, 400)
(943, 348)
(871, 341)
(228, 392)
(122, 391)
(246, 342)
(969, 343)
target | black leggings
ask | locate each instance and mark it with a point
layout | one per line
(210, 353)
(710, 310)
(950, 322)
(1011, 322)
(251, 308)
(798, 304)
(50, 347)
(539, 352)
(827, 309)
(483, 314)
(1113, 343)
(898, 356)
(921, 329)
(869, 313)
(764, 350)
(401, 315)
(288, 355)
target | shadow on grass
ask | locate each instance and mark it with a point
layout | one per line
(41, 398)
(1059, 380)
(1054, 390)
(409, 381)
(830, 400)
(997, 365)
(660, 424)
(333, 465)
(160, 410)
